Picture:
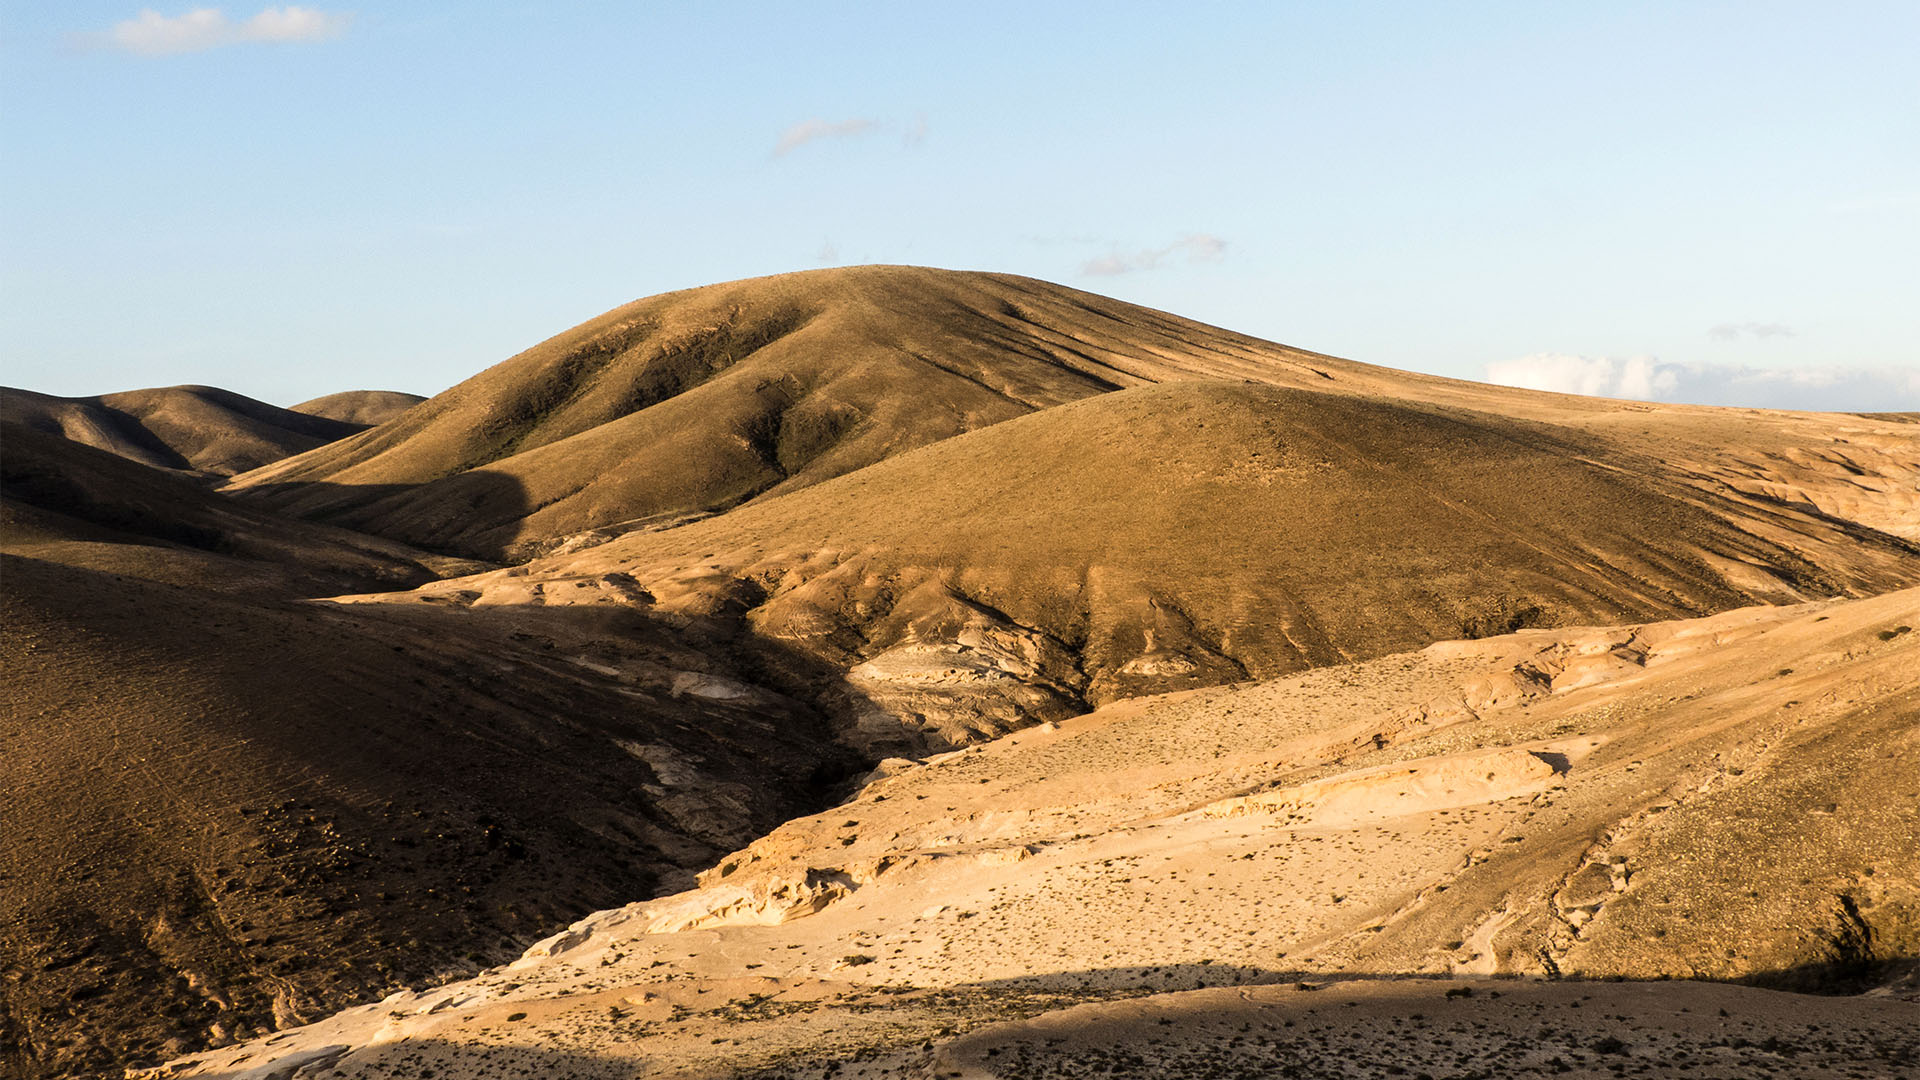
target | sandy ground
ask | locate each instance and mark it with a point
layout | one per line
(1451, 1028)
(1671, 800)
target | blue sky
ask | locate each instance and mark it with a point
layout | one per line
(1696, 201)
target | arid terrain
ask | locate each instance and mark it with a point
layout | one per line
(900, 672)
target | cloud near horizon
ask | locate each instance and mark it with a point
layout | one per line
(1645, 378)
(153, 34)
(1198, 247)
(1736, 331)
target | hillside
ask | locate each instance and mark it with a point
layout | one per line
(697, 401)
(1125, 613)
(194, 428)
(65, 502)
(1721, 799)
(1166, 537)
(363, 407)
(694, 402)
(228, 813)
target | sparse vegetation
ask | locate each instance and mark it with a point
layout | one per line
(1503, 614)
(1847, 946)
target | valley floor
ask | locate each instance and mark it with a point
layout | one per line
(1443, 863)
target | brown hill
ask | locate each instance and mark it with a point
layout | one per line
(1389, 864)
(225, 814)
(1166, 537)
(194, 428)
(697, 401)
(363, 407)
(927, 508)
(66, 502)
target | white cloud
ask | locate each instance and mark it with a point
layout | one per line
(807, 131)
(1595, 376)
(1735, 331)
(153, 34)
(1198, 247)
(1646, 379)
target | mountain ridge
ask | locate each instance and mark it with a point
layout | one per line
(200, 429)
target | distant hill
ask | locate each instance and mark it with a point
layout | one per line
(363, 407)
(66, 502)
(700, 400)
(194, 428)
(1166, 537)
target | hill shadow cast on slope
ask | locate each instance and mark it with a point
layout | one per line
(70, 503)
(244, 811)
(200, 430)
(1194, 1020)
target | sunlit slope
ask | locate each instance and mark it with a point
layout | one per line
(363, 407)
(195, 428)
(699, 400)
(1173, 536)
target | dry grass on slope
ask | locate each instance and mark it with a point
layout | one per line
(699, 400)
(1166, 537)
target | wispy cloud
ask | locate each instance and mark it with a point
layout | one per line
(153, 34)
(1197, 248)
(915, 133)
(1645, 378)
(813, 130)
(912, 133)
(1736, 331)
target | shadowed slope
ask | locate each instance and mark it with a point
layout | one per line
(1173, 536)
(67, 502)
(197, 428)
(699, 400)
(363, 407)
(224, 814)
